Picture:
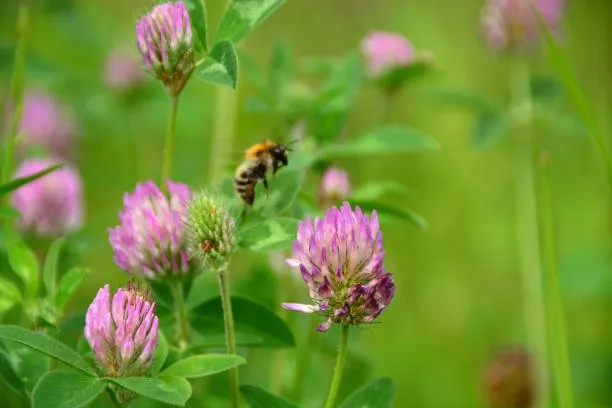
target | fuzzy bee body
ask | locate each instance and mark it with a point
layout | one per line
(259, 159)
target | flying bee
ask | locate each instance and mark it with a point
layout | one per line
(259, 159)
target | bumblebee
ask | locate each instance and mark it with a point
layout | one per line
(259, 159)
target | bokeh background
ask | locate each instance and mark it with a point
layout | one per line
(459, 296)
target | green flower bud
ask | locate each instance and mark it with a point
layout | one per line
(210, 230)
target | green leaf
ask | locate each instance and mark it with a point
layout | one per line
(178, 384)
(45, 345)
(18, 182)
(50, 267)
(385, 139)
(373, 191)
(7, 212)
(221, 66)
(385, 209)
(25, 265)
(490, 127)
(203, 365)
(269, 235)
(28, 363)
(560, 122)
(156, 389)
(8, 373)
(250, 319)
(279, 73)
(242, 16)
(259, 398)
(69, 283)
(284, 187)
(260, 283)
(9, 295)
(380, 393)
(331, 107)
(197, 14)
(61, 389)
(160, 355)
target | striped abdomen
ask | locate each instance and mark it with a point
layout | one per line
(244, 183)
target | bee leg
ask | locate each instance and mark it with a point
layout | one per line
(267, 187)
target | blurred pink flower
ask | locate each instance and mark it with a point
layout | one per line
(52, 205)
(45, 123)
(513, 23)
(384, 51)
(122, 71)
(334, 187)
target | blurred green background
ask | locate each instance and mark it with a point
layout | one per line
(458, 296)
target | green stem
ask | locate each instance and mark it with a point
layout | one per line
(230, 337)
(169, 144)
(182, 320)
(16, 92)
(335, 384)
(527, 234)
(223, 130)
(554, 302)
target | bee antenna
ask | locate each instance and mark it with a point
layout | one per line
(291, 143)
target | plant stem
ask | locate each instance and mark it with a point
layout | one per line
(223, 130)
(527, 233)
(230, 337)
(182, 320)
(16, 92)
(335, 384)
(554, 301)
(169, 144)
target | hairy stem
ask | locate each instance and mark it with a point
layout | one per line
(554, 303)
(16, 92)
(230, 337)
(169, 144)
(182, 320)
(527, 231)
(341, 359)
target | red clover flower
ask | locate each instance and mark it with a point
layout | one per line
(340, 258)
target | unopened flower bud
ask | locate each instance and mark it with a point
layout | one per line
(386, 51)
(334, 187)
(122, 331)
(52, 205)
(340, 258)
(122, 72)
(211, 230)
(165, 40)
(150, 242)
(513, 24)
(509, 380)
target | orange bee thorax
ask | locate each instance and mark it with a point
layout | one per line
(259, 149)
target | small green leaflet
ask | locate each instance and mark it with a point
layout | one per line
(392, 211)
(242, 16)
(269, 235)
(69, 284)
(16, 183)
(9, 295)
(259, 398)
(381, 140)
(380, 393)
(25, 265)
(221, 66)
(251, 319)
(50, 266)
(169, 389)
(62, 389)
(45, 345)
(197, 14)
(203, 365)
